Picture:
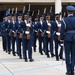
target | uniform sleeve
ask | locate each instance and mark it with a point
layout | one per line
(52, 27)
(6, 26)
(16, 27)
(62, 32)
(44, 25)
(0, 26)
(10, 26)
(21, 27)
(36, 27)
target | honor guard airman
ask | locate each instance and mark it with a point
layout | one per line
(41, 34)
(8, 23)
(56, 36)
(13, 33)
(26, 40)
(3, 33)
(32, 28)
(68, 37)
(48, 34)
(36, 32)
(19, 35)
(20, 28)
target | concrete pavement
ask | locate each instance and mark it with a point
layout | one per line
(12, 65)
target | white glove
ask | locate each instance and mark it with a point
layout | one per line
(28, 25)
(48, 32)
(49, 24)
(57, 33)
(59, 25)
(36, 31)
(62, 44)
(13, 31)
(26, 32)
(40, 30)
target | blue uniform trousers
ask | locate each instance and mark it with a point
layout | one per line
(41, 41)
(49, 40)
(4, 42)
(8, 43)
(17, 45)
(57, 44)
(35, 39)
(13, 40)
(44, 48)
(19, 40)
(69, 55)
(32, 37)
(27, 45)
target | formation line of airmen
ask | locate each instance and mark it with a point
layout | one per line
(19, 27)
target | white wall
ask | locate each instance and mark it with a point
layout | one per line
(33, 1)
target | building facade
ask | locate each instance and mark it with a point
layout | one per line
(57, 5)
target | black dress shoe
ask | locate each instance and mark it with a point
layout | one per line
(34, 50)
(62, 58)
(18, 54)
(20, 57)
(8, 52)
(41, 53)
(44, 50)
(48, 56)
(26, 60)
(45, 53)
(14, 54)
(4, 50)
(52, 55)
(57, 59)
(72, 73)
(31, 60)
(68, 73)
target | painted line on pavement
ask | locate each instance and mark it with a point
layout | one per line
(31, 69)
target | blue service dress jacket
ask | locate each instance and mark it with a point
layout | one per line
(46, 28)
(55, 29)
(68, 29)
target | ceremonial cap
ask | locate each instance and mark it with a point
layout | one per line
(48, 14)
(57, 14)
(19, 14)
(26, 14)
(70, 8)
